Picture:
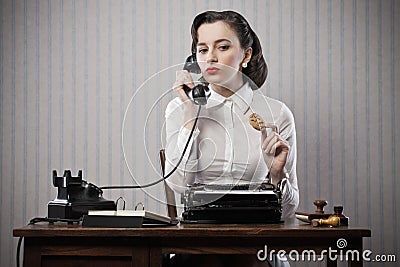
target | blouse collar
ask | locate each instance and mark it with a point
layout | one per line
(242, 98)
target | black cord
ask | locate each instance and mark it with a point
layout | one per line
(170, 173)
(19, 249)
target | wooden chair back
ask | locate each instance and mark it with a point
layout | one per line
(169, 193)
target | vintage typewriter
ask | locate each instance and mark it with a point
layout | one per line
(222, 203)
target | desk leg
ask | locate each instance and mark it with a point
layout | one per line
(32, 253)
(330, 263)
(140, 256)
(155, 257)
(358, 246)
(355, 263)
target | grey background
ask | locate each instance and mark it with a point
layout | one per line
(70, 68)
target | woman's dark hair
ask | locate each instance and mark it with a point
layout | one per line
(257, 69)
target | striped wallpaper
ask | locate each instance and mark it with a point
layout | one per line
(70, 69)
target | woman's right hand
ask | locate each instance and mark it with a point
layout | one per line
(183, 77)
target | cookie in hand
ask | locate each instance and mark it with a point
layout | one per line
(256, 121)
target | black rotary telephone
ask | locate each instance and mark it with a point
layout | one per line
(76, 197)
(200, 93)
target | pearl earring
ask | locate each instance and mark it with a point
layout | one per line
(244, 65)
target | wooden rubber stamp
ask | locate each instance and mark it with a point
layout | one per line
(320, 205)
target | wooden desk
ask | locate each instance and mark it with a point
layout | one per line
(74, 245)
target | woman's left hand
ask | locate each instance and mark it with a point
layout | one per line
(275, 151)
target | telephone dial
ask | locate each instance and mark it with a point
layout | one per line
(199, 93)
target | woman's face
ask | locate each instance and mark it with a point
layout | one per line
(220, 55)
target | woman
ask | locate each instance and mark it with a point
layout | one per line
(224, 147)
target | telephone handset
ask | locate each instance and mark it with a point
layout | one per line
(200, 93)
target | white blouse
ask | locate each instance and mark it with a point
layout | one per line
(225, 148)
